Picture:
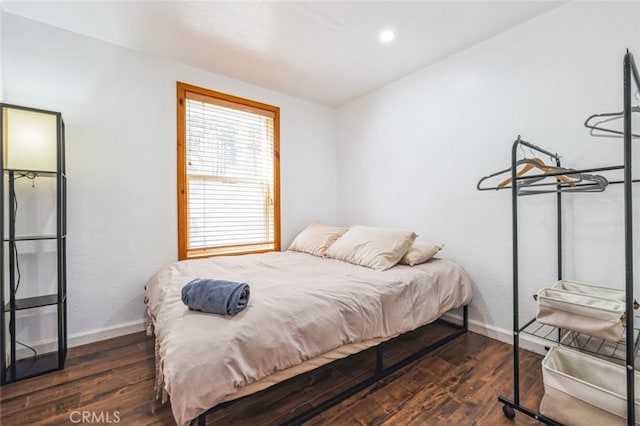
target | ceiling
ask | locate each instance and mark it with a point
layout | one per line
(324, 51)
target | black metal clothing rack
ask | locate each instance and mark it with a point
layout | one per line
(518, 183)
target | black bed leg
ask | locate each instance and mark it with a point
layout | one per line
(465, 317)
(202, 420)
(379, 358)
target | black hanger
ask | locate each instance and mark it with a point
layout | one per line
(607, 117)
(586, 183)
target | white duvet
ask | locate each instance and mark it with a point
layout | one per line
(300, 307)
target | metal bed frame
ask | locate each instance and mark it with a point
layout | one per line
(380, 373)
(631, 80)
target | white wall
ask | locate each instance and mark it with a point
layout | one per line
(120, 116)
(1, 59)
(410, 154)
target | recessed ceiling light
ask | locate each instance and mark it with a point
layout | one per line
(387, 36)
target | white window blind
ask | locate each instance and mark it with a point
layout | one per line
(229, 175)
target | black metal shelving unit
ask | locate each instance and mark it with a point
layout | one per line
(624, 352)
(11, 367)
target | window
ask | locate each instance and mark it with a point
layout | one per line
(228, 174)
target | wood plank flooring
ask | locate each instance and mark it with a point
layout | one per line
(458, 384)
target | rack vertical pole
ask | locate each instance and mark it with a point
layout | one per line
(628, 246)
(559, 225)
(559, 219)
(514, 233)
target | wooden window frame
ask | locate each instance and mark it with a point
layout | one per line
(183, 91)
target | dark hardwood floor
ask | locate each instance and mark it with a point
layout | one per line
(111, 382)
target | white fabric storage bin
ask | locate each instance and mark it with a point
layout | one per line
(591, 290)
(571, 411)
(588, 382)
(595, 316)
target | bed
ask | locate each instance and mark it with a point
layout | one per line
(304, 311)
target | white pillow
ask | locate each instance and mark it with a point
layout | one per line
(377, 248)
(316, 238)
(419, 253)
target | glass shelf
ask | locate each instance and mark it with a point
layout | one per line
(34, 366)
(34, 302)
(32, 238)
(38, 173)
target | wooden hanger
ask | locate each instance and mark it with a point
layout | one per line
(539, 164)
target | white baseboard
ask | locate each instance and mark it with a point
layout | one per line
(77, 339)
(104, 333)
(527, 341)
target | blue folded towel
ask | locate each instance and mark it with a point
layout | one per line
(216, 296)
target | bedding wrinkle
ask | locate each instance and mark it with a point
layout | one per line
(301, 307)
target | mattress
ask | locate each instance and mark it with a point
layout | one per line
(303, 310)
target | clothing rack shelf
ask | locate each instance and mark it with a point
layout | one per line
(566, 181)
(613, 351)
